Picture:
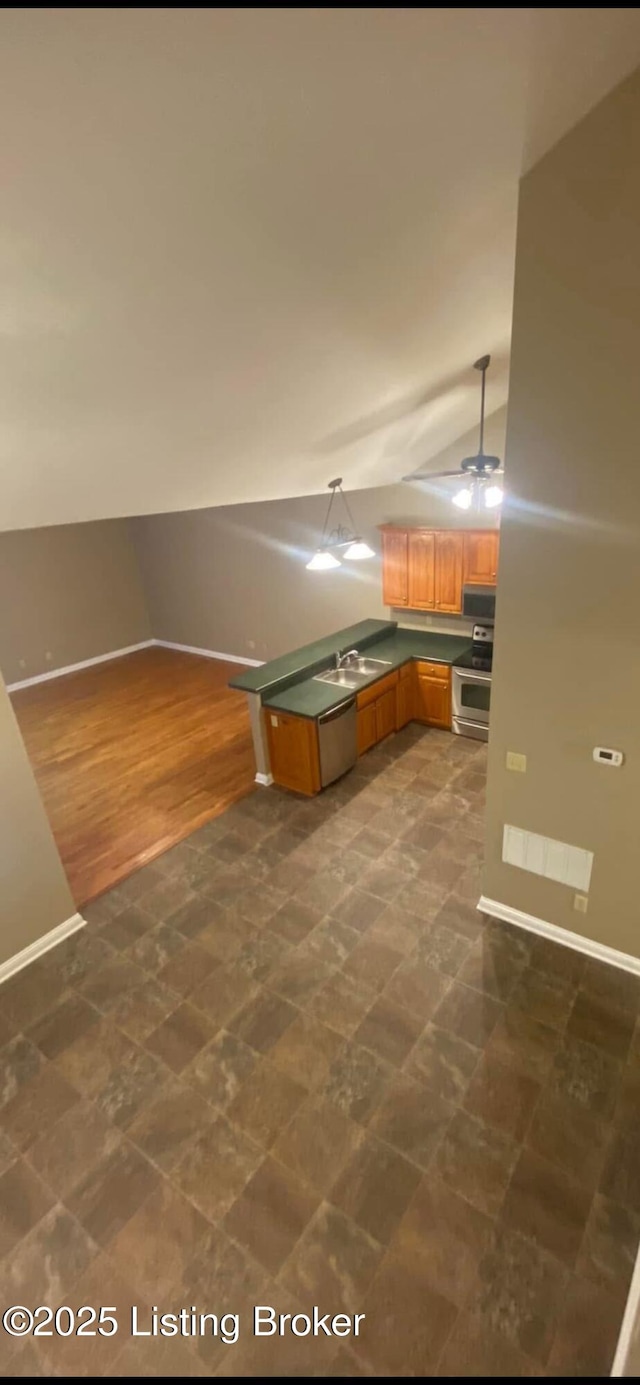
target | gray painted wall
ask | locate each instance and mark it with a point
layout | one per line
(567, 665)
(35, 896)
(69, 593)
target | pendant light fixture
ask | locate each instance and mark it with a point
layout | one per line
(338, 537)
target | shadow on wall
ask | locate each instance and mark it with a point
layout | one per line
(445, 395)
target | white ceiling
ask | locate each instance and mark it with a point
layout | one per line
(245, 250)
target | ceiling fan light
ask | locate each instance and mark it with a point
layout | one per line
(322, 560)
(463, 498)
(358, 550)
(493, 495)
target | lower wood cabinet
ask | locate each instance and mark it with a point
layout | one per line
(377, 712)
(406, 696)
(419, 691)
(293, 751)
(433, 694)
(367, 724)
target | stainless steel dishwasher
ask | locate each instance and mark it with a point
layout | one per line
(337, 740)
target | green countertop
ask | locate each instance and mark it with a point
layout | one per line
(280, 673)
(309, 698)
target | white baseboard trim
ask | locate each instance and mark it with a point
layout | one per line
(130, 649)
(564, 936)
(41, 945)
(74, 668)
(628, 1323)
(265, 779)
(210, 653)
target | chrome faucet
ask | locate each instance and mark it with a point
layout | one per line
(342, 659)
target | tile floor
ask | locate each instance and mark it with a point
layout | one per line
(289, 1064)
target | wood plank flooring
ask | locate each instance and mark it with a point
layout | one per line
(132, 755)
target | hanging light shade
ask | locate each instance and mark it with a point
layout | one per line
(338, 537)
(358, 550)
(322, 560)
(493, 495)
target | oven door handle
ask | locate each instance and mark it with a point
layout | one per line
(471, 676)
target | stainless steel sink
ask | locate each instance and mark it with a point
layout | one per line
(343, 677)
(369, 666)
(354, 674)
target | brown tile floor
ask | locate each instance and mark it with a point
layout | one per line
(289, 1064)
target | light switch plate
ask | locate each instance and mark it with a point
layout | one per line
(516, 761)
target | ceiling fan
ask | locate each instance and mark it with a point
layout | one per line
(479, 471)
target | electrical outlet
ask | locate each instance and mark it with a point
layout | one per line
(580, 902)
(22, 663)
(48, 656)
(251, 644)
(516, 761)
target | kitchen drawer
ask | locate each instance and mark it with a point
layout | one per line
(377, 689)
(429, 670)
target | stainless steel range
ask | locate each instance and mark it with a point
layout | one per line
(471, 686)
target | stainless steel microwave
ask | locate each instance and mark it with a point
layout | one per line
(479, 603)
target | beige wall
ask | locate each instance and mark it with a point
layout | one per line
(69, 593)
(233, 579)
(34, 894)
(567, 665)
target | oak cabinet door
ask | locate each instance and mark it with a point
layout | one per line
(449, 551)
(405, 698)
(434, 701)
(395, 577)
(481, 548)
(293, 751)
(422, 570)
(367, 728)
(386, 714)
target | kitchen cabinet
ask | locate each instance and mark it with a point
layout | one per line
(395, 574)
(422, 569)
(405, 696)
(449, 551)
(425, 569)
(386, 714)
(367, 728)
(376, 712)
(481, 557)
(433, 694)
(293, 751)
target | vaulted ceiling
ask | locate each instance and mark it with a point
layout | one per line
(243, 251)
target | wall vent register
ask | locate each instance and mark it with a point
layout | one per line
(568, 865)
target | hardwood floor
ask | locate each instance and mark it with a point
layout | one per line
(132, 755)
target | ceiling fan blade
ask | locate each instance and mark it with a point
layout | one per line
(431, 475)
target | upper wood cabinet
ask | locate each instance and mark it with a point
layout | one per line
(481, 556)
(449, 552)
(425, 569)
(422, 569)
(395, 575)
